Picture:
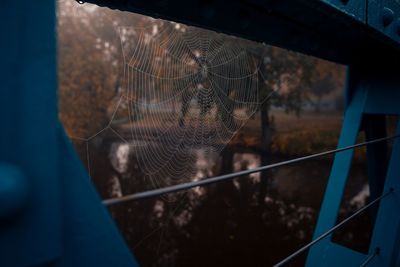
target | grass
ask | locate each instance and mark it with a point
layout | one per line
(295, 135)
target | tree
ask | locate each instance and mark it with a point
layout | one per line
(284, 79)
(87, 74)
(91, 75)
(320, 88)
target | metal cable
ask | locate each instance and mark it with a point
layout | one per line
(319, 238)
(369, 258)
(216, 179)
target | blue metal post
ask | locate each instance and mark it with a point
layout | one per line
(374, 94)
(50, 214)
(28, 136)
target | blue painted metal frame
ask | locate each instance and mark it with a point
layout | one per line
(354, 8)
(337, 30)
(384, 16)
(28, 136)
(371, 95)
(62, 221)
(58, 219)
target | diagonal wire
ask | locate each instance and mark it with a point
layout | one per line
(334, 228)
(369, 258)
(230, 176)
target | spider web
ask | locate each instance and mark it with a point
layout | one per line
(184, 89)
(191, 88)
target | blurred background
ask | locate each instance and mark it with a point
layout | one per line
(150, 103)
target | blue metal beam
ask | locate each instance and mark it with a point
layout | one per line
(337, 30)
(28, 138)
(50, 214)
(375, 92)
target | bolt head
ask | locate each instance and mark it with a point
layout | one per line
(387, 16)
(13, 190)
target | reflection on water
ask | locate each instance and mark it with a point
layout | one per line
(119, 156)
(246, 161)
(224, 221)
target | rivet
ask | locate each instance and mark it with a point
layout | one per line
(13, 190)
(387, 16)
